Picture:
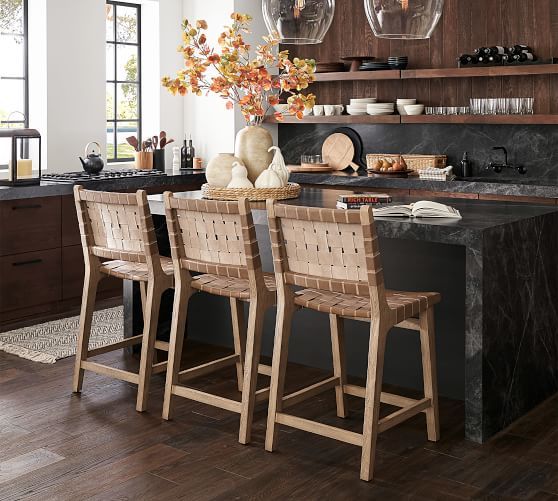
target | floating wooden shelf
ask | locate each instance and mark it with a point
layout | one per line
(472, 71)
(481, 119)
(338, 119)
(422, 119)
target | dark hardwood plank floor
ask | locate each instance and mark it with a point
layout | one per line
(55, 445)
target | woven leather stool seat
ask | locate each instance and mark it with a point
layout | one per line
(133, 271)
(404, 304)
(230, 287)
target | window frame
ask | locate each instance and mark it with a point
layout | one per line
(25, 77)
(114, 44)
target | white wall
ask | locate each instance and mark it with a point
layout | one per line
(68, 82)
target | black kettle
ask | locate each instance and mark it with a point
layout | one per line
(93, 163)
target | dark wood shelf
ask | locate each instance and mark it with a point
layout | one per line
(338, 119)
(481, 119)
(472, 71)
(341, 76)
(422, 119)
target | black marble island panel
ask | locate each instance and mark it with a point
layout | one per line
(498, 274)
(49, 189)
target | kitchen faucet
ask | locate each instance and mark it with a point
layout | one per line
(497, 167)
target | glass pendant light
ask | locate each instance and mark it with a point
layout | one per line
(298, 22)
(403, 19)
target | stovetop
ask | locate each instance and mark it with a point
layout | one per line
(76, 177)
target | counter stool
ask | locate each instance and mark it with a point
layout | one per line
(218, 240)
(119, 227)
(334, 256)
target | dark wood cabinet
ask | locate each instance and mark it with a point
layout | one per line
(29, 225)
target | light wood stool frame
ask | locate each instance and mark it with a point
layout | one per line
(337, 252)
(218, 239)
(119, 226)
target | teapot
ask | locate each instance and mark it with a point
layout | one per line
(93, 164)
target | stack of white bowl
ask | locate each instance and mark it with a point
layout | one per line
(401, 103)
(414, 109)
(358, 105)
(380, 108)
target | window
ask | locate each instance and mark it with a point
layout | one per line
(123, 56)
(14, 89)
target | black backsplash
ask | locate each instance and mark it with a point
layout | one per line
(534, 146)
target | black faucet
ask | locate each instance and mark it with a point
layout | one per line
(497, 167)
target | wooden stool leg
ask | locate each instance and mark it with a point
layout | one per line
(428, 348)
(143, 295)
(251, 361)
(374, 375)
(182, 293)
(237, 316)
(338, 350)
(285, 310)
(92, 277)
(148, 344)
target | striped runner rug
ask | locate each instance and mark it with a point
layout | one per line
(52, 341)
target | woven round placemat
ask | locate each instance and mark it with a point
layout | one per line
(292, 190)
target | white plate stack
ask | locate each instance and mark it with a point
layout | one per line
(401, 103)
(358, 105)
(380, 108)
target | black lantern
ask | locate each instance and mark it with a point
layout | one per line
(20, 157)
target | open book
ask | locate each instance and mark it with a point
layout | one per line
(423, 208)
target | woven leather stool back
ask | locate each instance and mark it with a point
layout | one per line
(213, 237)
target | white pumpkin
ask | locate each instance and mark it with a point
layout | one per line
(239, 177)
(268, 179)
(278, 166)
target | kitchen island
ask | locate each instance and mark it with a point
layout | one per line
(496, 326)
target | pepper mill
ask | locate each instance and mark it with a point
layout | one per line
(176, 159)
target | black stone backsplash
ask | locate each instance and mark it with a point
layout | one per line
(534, 146)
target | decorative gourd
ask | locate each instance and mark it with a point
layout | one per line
(269, 179)
(278, 166)
(239, 177)
(219, 170)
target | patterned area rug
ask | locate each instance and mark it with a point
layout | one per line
(51, 341)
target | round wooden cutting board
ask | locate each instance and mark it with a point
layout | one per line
(338, 151)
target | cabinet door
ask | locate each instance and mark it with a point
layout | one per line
(29, 225)
(70, 227)
(72, 276)
(30, 279)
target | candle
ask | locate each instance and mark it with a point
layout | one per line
(24, 168)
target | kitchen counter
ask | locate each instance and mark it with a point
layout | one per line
(508, 186)
(49, 189)
(497, 272)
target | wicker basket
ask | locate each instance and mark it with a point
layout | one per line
(292, 190)
(414, 162)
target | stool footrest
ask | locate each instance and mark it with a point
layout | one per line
(324, 430)
(115, 346)
(207, 398)
(385, 398)
(207, 368)
(262, 395)
(403, 414)
(162, 345)
(264, 369)
(159, 367)
(310, 391)
(105, 370)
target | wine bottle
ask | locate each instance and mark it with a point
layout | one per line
(190, 154)
(465, 59)
(495, 59)
(183, 154)
(518, 49)
(524, 56)
(496, 50)
(481, 51)
(483, 60)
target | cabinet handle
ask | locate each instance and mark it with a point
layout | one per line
(25, 263)
(22, 207)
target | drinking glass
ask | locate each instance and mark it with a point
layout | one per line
(429, 110)
(527, 105)
(503, 106)
(515, 106)
(464, 110)
(491, 106)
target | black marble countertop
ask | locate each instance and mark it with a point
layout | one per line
(511, 186)
(478, 216)
(49, 189)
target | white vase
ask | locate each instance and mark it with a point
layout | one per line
(219, 169)
(252, 145)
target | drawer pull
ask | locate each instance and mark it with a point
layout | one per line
(23, 207)
(25, 263)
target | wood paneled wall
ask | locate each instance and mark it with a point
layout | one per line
(465, 25)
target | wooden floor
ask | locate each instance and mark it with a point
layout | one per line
(54, 445)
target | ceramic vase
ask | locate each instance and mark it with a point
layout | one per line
(219, 169)
(252, 145)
